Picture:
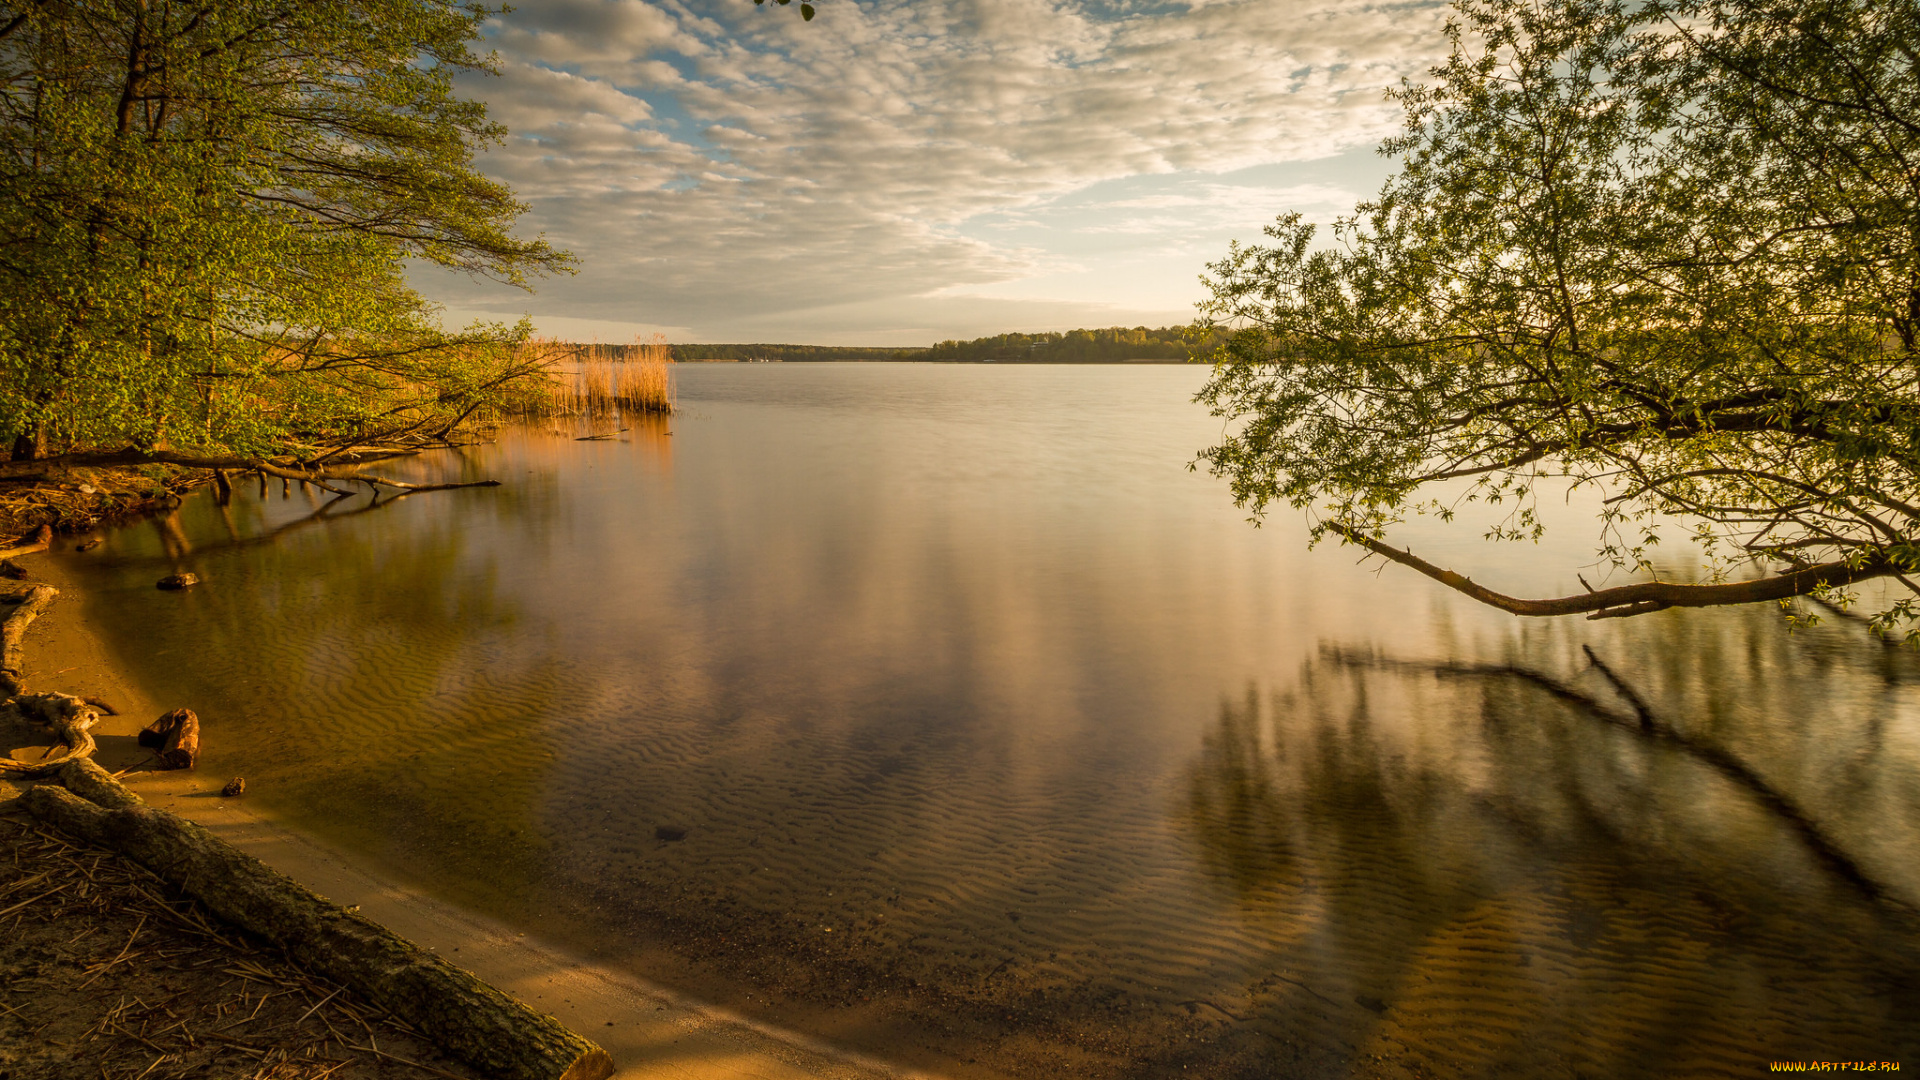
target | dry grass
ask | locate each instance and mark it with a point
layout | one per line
(76, 499)
(107, 973)
(598, 383)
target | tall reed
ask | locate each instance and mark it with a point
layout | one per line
(644, 381)
(601, 383)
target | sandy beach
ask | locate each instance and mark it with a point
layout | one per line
(650, 1032)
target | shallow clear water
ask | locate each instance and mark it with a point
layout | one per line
(943, 711)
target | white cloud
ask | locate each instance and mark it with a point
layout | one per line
(720, 166)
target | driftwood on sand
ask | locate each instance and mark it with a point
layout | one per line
(177, 736)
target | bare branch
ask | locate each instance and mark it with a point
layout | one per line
(1637, 599)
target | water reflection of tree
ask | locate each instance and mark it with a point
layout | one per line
(1467, 872)
(359, 666)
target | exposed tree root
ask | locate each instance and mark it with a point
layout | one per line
(71, 719)
(32, 601)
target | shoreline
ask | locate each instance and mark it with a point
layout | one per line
(651, 1032)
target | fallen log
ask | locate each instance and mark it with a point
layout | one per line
(13, 664)
(469, 1019)
(177, 736)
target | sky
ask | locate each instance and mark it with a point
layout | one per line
(898, 172)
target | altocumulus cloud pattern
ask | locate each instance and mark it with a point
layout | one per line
(901, 170)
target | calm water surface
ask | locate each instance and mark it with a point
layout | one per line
(942, 711)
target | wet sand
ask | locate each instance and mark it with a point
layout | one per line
(650, 1032)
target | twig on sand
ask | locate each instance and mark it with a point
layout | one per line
(404, 1061)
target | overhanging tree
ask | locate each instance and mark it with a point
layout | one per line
(208, 208)
(1671, 250)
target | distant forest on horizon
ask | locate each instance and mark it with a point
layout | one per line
(1112, 344)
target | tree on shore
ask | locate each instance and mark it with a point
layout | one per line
(208, 210)
(1664, 249)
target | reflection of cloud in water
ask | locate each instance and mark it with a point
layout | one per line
(1470, 872)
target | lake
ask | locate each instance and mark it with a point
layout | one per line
(942, 711)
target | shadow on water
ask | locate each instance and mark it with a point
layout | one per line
(1474, 869)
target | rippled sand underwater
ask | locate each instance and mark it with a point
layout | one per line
(942, 712)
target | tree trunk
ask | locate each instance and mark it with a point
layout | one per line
(492, 1032)
(26, 445)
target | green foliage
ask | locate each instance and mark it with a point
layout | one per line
(1110, 345)
(1667, 249)
(208, 208)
